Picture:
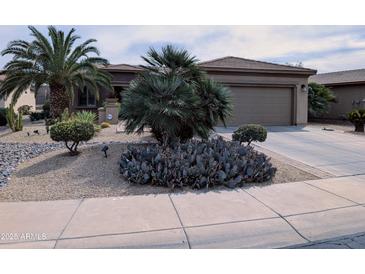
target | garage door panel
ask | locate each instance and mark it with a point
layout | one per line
(262, 105)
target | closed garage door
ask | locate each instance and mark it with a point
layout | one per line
(261, 105)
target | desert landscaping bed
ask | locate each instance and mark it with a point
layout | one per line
(57, 176)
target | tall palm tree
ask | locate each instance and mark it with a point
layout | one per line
(55, 61)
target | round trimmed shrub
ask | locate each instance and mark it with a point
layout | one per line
(104, 125)
(250, 133)
(72, 131)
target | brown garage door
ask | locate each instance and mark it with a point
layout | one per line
(261, 105)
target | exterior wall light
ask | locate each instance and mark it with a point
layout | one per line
(303, 88)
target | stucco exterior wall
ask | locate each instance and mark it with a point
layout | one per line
(27, 98)
(348, 98)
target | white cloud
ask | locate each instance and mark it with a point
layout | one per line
(316, 46)
(338, 61)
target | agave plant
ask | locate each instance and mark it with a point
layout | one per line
(197, 164)
(54, 60)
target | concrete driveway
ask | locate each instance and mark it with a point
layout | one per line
(334, 152)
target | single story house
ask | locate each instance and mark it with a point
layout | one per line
(262, 92)
(27, 98)
(348, 87)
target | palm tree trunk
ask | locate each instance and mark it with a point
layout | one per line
(59, 100)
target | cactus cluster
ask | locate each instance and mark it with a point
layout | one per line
(197, 164)
(14, 121)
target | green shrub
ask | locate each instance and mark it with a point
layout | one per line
(46, 109)
(25, 109)
(197, 164)
(85, 116)
(174, 97)
(14, 121)
(250, 133)
(357, 117)
(65, 115)
(3, 121)
(319, 98)
(36, 116)
(104, 125)
(72, 132)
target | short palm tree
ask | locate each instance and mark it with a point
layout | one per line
(167, 105)
(213, 105)
(57, 62)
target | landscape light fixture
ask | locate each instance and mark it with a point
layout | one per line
(105, 149)
(303, 88)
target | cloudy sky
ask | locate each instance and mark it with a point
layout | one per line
(325, 48)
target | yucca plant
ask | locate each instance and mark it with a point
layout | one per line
(57, 61)
(357, 117)
(85, 116)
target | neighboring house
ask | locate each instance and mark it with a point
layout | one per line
(262, 92)
(348, 87)
(27, 98)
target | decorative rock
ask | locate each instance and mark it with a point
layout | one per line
(12, 154)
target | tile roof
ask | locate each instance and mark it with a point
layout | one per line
(339, 77)
(123, 67)
(231, 62)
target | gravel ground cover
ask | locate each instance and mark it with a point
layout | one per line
(11, 154)
(105, 135)
(55, 176)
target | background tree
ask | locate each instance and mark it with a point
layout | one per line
(54, 60)
(163, 70)
(319, 98)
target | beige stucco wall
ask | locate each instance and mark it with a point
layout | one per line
(300, 97)
(27, 98)
(345, 95)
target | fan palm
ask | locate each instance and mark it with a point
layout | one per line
(214, 104)
(166, 104)
(56, 61)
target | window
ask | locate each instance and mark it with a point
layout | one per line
(86, 98)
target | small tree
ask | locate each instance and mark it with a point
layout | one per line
(357, 117)
(319, 98)
(250, 133)
(72, 131)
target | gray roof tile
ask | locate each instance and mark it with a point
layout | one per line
(339, 77)
(123, 67)
(243, 63)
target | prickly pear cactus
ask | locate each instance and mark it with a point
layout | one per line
(197, 164)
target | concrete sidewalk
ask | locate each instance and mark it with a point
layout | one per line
(271, 216)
